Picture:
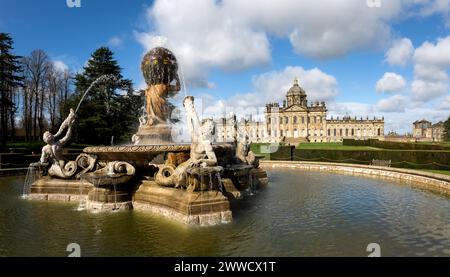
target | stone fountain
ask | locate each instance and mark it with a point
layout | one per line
(192, 183)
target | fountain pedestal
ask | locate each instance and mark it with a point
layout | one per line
(154, 134)
(202, 208)
(47, 188)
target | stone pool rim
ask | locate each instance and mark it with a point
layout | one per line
(438, 183)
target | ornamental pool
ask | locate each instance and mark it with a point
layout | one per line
(300, 213)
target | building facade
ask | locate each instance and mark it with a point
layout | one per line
(424, 130)
(296, 121)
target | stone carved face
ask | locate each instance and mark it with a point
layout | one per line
(48, 138)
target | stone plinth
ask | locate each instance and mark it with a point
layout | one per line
(155, 134)
(190, 207)
(60, 190)
(108, 207)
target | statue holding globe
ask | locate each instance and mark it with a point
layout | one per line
(160, 69)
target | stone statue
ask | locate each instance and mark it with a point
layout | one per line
(157, 105)
(202, 153)
(243, 153)
(52, 154)
(159, 67)
(202, 159)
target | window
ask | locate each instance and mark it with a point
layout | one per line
(286, 120)
(346, 132)
(340, 132)
(295, 119)
(379, 132)
(335, 132)
(329, 132)
(303, 120)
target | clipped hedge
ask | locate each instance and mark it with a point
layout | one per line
(439, 160)
(283, 153)
(272, 151)
(394, 145)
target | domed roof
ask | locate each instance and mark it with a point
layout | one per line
(296, 89)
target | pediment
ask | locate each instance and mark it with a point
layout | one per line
(295, 108)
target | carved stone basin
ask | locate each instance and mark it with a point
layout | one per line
(106, 180)
(141, 155)
(238, 170)
(204, 178)
(113, 174)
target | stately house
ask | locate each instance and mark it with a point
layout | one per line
(424, 130)
(295, 121)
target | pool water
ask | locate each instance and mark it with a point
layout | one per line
(300, 213)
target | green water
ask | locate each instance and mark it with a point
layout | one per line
(299, 214)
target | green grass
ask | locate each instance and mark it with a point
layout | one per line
(445, 172)
(447, 144)
(332, 146)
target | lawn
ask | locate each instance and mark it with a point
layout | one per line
(445, 172)
(333, 146)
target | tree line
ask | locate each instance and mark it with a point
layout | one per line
(36, 96)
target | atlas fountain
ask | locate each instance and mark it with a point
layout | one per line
(191, 183)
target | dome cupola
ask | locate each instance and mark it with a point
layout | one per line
(296, 95)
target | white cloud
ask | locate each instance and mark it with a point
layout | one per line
(398, 111)
(351, 109)
(60, 65)
(425, 90)
(391, 83)
(445, 104)
(321, 29)
(115, 41)
(204, 35)
(400, 53)
(395, 103)
(432, 61)
(272, 87)
(437, 7)
(233, 34)
(437, 54)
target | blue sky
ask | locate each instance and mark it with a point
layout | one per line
(237, 54)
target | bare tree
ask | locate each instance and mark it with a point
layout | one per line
(67, 78)
(36, 69)
(54, 86)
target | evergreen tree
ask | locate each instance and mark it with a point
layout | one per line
(110, 108)
(9, 80)
(447, 130)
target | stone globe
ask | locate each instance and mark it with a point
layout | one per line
(159, 66)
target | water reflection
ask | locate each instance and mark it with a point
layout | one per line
(299, 214)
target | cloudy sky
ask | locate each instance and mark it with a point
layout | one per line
(386, 58)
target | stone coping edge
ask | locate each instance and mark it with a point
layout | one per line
(430, 181)
(6, 172)
(209, 219)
